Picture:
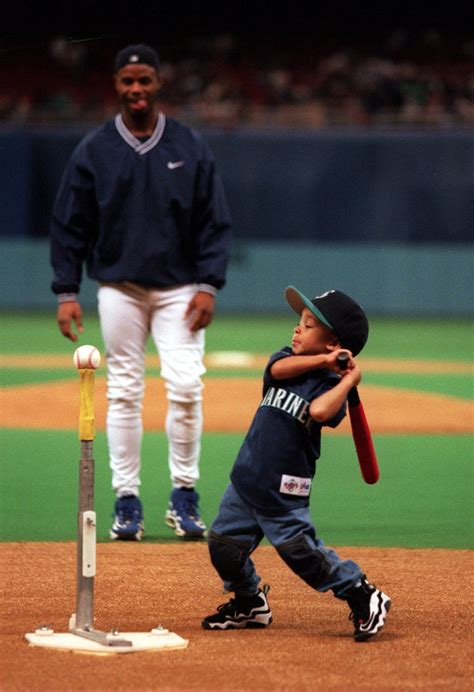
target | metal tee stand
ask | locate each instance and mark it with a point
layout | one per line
(82, 635)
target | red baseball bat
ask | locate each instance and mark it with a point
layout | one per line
(361, 432)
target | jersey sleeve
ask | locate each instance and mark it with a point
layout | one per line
(278, 355)
(73, 224)
(212, 227)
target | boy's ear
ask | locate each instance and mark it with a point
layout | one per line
(333, 345)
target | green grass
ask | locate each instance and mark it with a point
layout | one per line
(394, 338)
(14, 377)
(421, 500)
(461, 386)
(431, 339)
(400, 338)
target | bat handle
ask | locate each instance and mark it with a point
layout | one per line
(342, 360)
(353, 397)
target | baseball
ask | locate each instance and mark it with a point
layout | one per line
(86, 357)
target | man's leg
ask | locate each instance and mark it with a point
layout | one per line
(182, 354)
(123, 319)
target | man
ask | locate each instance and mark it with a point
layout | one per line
(142, 205)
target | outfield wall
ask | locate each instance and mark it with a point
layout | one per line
(387, 216)
(387, 279)
(321, 186)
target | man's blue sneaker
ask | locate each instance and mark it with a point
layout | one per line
(183, 514)
(128, 519)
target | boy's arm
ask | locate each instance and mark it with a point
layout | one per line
(292, 366)
(326, 406)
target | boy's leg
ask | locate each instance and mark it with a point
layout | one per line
(294, 537)
(233, 536)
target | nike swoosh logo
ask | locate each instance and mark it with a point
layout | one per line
(174, 164)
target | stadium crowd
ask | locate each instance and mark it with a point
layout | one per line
(406, 79)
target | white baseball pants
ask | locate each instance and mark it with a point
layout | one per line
(129, 314)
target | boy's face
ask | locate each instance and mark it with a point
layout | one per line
(311, 336)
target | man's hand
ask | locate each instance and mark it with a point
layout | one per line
(200, 311)
(68, 313)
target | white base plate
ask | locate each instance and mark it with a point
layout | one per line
(141, 641)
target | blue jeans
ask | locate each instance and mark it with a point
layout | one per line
(239, 528)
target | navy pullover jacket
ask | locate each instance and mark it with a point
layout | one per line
(152, 213)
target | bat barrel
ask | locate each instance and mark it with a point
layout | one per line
(360, 431)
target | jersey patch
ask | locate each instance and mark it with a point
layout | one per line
(294, 485)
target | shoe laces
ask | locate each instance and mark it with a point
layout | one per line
(126, 514)
(128, 511)
(356, 616)
(240, 601)
(187, 505)
(359, 602)
(229, 606)
(234, 604)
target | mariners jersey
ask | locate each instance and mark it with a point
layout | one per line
(277, 460)
(152, 212)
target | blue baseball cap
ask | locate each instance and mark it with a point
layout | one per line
(337, 311)
(135, 54)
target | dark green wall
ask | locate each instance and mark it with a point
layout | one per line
(387, 279)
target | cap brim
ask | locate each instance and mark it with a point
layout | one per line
(297, 301)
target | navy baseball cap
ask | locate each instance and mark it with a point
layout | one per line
(135, 54)
(337, 311)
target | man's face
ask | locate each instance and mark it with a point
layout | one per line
(137, 87)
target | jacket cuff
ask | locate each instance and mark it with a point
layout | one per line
(207, 288)
(67, 297)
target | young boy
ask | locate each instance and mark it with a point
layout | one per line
(303, 389)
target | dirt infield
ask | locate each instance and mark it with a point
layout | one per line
(229, 405)
(244, 359)
(309, 646)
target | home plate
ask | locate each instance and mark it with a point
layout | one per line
(115, 643)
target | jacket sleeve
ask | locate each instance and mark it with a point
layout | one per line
(73, 225)
(212, 227)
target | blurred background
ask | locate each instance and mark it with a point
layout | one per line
(344, 137)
